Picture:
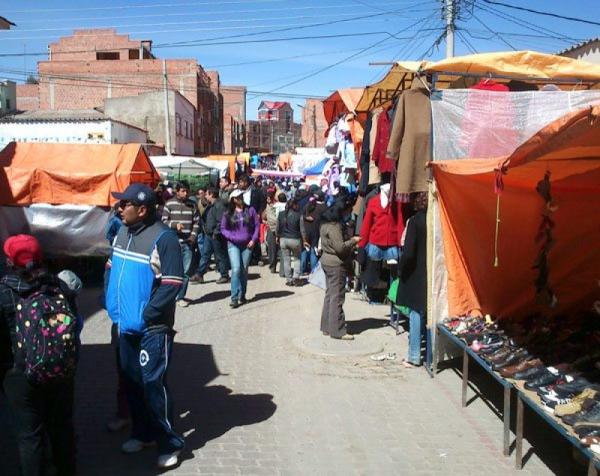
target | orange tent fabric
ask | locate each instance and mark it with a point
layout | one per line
(569, 149)
(342, 100)
(71, 173)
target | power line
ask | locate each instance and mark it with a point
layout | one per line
(193, 14)
(466, 42)
(135, 6)
(523, 23)
(548, 14)
(495, 33)
(264, 40)
(326, 68)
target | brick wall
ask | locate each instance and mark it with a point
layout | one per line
(308, 124)
(28, 98)
(234, 118)
(73, 78)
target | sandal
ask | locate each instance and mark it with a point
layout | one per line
(408, 365)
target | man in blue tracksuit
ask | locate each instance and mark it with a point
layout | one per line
(144, 275)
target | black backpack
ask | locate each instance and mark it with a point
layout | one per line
(46, 341)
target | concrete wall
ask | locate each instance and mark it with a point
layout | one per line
(83, 132)
(147, 112)
(8, 97)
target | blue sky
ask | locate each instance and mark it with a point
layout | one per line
(362, 31)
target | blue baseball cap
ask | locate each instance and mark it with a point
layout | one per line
(138, 194)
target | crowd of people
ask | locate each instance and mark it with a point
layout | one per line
(162, 240)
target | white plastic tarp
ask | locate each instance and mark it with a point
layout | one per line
(63, 230)
(175, 164)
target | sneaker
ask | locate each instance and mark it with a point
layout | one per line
(576, 404)
(183, 303)
(222, 280)
(243, 300)
(168, 460)
(117, 424)
(197, 279)
(298, 282)
(234, 304)
(134, 445)
(289, 283)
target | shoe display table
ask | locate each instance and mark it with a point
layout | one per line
(533, 401)
(467, 352)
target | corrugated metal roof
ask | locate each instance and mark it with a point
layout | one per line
(63, 115)
(579, 45)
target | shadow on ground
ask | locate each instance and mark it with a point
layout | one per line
(546, 443)
(362, 325)
(271, 295)
(203, 412)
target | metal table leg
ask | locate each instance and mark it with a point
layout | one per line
(592, 471)
(465, 382)
(506, 416)
(519, 435)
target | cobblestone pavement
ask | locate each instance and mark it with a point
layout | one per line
(249, 401)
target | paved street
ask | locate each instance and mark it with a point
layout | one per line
(250, 401)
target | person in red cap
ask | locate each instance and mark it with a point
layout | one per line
(42, 410)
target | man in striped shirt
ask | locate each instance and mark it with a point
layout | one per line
(180, 214)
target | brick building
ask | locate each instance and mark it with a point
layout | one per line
(314, 124)
(275, 130)
(234, 119)
(90, 66)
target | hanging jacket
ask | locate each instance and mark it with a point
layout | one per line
(382, 226)
(382, 138)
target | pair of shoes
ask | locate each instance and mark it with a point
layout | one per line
(117, 424)
(344, 337)
(168, 460)
(576, 404)
(222, 280)
(512, 370)
(325, 333)
(243, 300)
(134, 445)
(289, 283)
(234, 304)
(298, 282)
(183, 303)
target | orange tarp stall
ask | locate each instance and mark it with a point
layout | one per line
(569, 149)
(83, 174)
(341, 101)
(231, 158)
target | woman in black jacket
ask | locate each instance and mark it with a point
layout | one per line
(290, 230)
(412, 291)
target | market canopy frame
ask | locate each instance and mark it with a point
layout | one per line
(527, 66)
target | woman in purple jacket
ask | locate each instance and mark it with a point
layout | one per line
(240, 226)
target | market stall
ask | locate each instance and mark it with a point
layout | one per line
(61, 191)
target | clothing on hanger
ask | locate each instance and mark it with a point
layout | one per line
(383, 222)
(382, 139)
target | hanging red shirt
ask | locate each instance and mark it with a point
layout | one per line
(384, 128)
(382, 226)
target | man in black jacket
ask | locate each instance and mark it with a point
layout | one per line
(214, 243)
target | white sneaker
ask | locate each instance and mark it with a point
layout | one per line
(117, 424)
(133, 445)
(183, 303)
(169, 460)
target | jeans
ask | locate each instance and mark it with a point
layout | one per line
(416, 324)
(291, 247)
(122, 407)
(216, 246)
(333, 319)
(187, 254)
(40, 412)
(239, 258)
(144, 361)
(308, 257)
(272, 249)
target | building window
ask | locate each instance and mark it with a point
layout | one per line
(8, 104)
(177, 124)
(107, 55)
(134, 54)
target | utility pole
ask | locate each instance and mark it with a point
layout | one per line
(450, 16)
(167, 121)
(314, 123)
(271, 121)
